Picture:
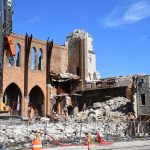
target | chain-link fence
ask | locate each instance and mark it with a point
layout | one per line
(109, 131)
(138, 129)
(75, 133)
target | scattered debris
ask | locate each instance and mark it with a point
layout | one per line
(105, 117)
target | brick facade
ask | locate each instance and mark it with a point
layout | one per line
(36, 78)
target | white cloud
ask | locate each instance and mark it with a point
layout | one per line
(128, 13)
(34, 19)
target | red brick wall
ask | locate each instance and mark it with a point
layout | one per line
(15, 75)
(59, 60)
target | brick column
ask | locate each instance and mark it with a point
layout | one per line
(24, 107)
(48, 100)
(36, 61)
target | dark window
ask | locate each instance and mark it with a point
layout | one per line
(40, 56)
(142, 99)
(17, 56)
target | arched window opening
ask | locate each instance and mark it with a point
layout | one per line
(33, 52)
(40, 56)
(10, 59)
(17, 56)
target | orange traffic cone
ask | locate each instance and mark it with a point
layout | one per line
(37, 143)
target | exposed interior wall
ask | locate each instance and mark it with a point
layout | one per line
(74, 65)
(59, 59)
(100, 95)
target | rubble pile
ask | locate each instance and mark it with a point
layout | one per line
(105, 117)
(111, 116)
(62, 131)
(111, 110)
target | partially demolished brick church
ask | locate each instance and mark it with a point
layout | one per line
(46, 77)
(43, 73)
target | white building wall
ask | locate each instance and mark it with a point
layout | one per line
(89, 43)
(91, 66)
(91, 60)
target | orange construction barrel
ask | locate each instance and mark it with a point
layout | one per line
(37, 143)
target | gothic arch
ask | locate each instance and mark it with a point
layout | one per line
(36, 101)
(13, 98)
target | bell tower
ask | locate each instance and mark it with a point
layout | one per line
(81, 57)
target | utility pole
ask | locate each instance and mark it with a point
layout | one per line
(5, 30)
(139, 83)
(1, 47)
(7, 17)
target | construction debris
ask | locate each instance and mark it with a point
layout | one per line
(113, 109)
(61, 77)
(110, 115)
(105, 117)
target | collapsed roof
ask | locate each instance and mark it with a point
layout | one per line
(62, 77)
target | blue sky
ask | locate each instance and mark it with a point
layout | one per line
(120, 29)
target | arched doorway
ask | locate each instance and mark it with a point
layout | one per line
(12, 98)
(36, 102)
